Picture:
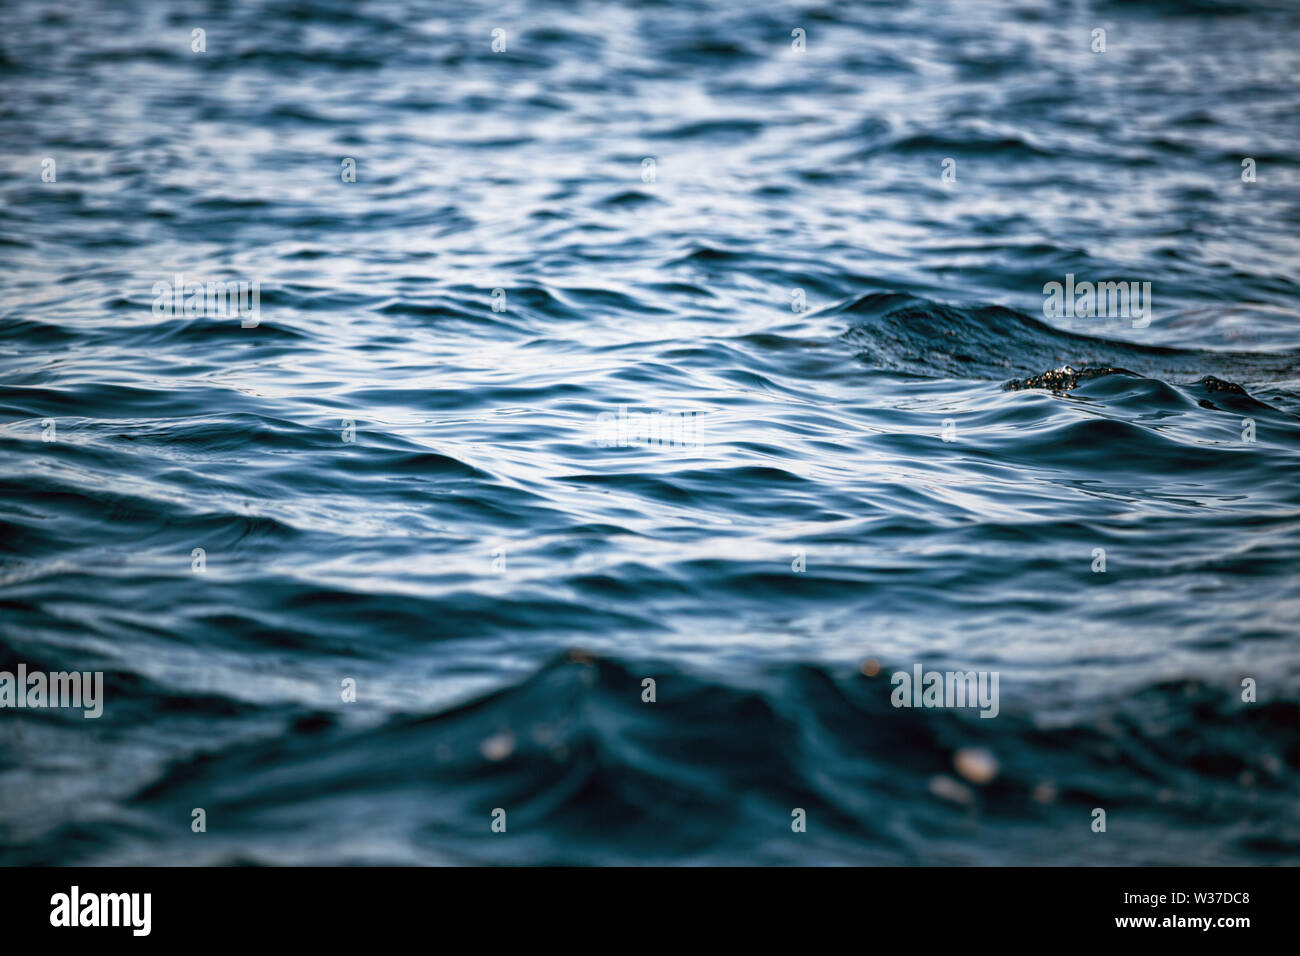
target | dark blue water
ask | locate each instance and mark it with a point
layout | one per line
(883, 479)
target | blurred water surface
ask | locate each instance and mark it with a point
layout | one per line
(498, 582)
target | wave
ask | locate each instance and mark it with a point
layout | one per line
(903, 333)
(711, 771)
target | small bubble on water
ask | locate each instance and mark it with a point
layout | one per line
(498, 746)
(946, 788)
(976, 764)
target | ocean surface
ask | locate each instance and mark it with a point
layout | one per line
(814, 239)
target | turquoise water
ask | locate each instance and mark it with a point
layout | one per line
(395, 475)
